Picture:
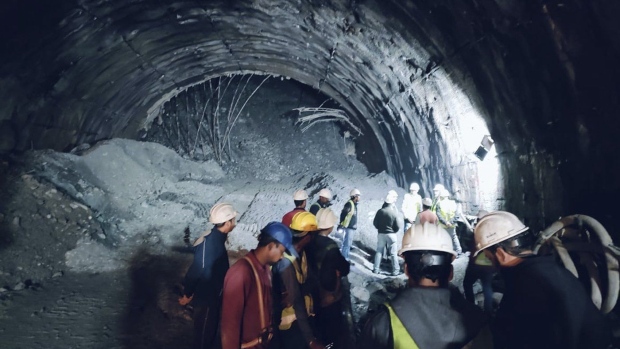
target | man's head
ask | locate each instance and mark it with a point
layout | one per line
(391, 197)
(224, 216)
(437, 190)
(414, 188)
(427, 203)
(428, 253)
(503, 238)
(300, 197)
(325, 196)
(355, 195)
(326, 219)
(274, 239)
(302, 225)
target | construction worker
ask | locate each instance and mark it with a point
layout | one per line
(329, 264)
(436, 191)
(412, 205)
(446, 213)
(348, 221)
(324, 201)
(427, 314)
(294, 286)
(204, 279)
(544, 305)
(479, 268)
(300, 198)
(246, 298)
(427, 215)
(388, 224)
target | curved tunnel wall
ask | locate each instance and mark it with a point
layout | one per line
(408, 73)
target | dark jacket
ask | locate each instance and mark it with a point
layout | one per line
(315, 207)
(433, 317)
(388, 220)
(205, 277)
(325, 258)
(545, 306)
(345, 211)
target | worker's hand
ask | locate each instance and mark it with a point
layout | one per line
(185, 300)
(316, 345)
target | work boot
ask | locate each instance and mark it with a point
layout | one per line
(395, 273)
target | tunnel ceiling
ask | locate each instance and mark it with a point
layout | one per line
(409, 74)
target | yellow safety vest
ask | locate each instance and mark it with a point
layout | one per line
(347, 218)
(301, 272)
(400, 336)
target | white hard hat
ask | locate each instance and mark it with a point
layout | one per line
(427, 202)
(326, 218)
(300, 195)
(414, 186)
(391, 197)
(438, 187)
(444, 193)
(427, 237)
(355, 192)
(221, 213)
(496, 227)
(325, 193)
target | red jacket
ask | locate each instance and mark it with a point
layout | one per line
(240, 310)
(288, 217)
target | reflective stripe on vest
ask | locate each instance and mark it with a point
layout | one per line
(400, 336)
(347, 218)
(288, 313)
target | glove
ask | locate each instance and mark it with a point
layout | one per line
(315, 345)
(185, 300)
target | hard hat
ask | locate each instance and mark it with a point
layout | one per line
(326, 218)
(221, 213)
(300, 195)
(414, 186)
(391, 197)
(496, 227)
(444, 193)
(355, 192)
(281, 233)
(427, 202)
(427, 237)
(438, 187)
(325, 193)
(303, 222)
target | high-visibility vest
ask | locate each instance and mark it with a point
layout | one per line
(400, 336)
(301, 272)
(347, 218)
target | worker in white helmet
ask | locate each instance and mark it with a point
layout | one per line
(436, 191)
(324, 201)
(544, 305)
(412, 205)
(388, 224)
(446, 213)
(300, 198)
(202, 285)
(348, 221)
(427, 314)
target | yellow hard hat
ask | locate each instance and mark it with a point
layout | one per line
(427, 237)
(302, 223)
(496, 227)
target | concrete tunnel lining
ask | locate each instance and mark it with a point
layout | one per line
(369, 56)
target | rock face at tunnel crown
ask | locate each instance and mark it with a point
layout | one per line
(410, 75)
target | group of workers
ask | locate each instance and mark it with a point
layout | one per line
(288, 293)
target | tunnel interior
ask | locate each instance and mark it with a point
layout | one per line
(398, 91)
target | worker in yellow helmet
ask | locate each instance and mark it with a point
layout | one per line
(293, 288)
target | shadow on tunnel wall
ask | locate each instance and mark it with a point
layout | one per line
(153, 318)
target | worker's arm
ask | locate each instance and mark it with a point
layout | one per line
(377, 332)
(345, 211)
(397, 225)
(293, 296)
(200, 268)
(234, 295)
